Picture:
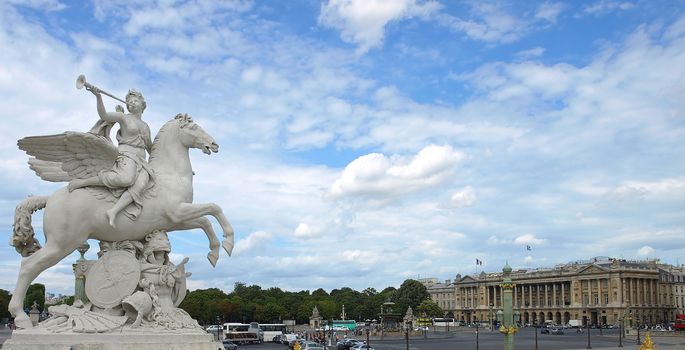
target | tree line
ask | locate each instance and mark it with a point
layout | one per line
(273, 305)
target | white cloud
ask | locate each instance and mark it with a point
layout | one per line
(489, 22)
(363, 22)
(305, 231)
(378, 176)
(253, 241)
(43, 5)
(645, 251)
(549, 11)
(464, 198)
(605, 6)
(495, 240)
(530, 53)
(362, 257)
(529, 239)
(673, 187)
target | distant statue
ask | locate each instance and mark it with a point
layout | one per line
(84, 211)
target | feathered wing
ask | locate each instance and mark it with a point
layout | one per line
(67, 156)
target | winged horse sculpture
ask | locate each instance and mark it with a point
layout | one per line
(70, 218)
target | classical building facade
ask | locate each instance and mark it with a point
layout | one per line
(598, 291)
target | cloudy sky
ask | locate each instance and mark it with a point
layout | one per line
(366, 142)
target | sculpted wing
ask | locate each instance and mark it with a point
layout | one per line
(49, 171)
(70, 155)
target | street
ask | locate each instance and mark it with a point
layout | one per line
(465, 339)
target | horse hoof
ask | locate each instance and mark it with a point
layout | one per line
(228, 247)
(213, 257)
(23, 322)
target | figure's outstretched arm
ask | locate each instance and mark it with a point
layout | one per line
(102, 112)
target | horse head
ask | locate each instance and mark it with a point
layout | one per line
(193, 136)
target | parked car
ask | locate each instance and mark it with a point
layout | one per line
(362, 347)
(212, 328)
(229, 345)
(544, 330)
(556, 331)
(310, 345)
(346, 344)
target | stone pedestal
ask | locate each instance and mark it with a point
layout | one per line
(34, 339)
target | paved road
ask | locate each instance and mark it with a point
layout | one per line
(465, 339)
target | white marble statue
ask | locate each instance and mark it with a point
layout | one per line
(106, 182)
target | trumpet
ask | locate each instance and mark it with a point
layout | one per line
(81, 83)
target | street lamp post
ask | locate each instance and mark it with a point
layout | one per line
(588, 336)
(406, 334)
(536, 337)
(620, 333)
(491, 320)
(507, 326)
(476, 336)
(637, 321)
(367, 326)
(218, 328)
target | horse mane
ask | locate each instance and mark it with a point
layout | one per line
(181, 120)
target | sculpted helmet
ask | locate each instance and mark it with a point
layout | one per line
(157, 241)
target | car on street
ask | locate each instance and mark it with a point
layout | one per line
(346, 344)
(361, 347)
(544, 330)
(212, 328)
(229, 345)
(284, 338)
(556, 331)
(310, 345)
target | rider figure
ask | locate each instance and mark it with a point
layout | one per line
(130, 172)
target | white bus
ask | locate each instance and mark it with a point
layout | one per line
(242, 333)
(444, 322)
(271, 330)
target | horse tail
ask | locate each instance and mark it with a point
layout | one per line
(23, 237)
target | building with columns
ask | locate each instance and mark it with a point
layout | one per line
(598, 291)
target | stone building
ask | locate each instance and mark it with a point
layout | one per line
(676, 278)
(598, 291)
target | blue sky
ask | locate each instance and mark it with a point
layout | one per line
(366, 142)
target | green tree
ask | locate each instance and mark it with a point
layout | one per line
(370, 291)
(5, 297)
(328, 309)
(204, 305)
(411, 293)
(35, 292)
(429, 308)
(271, 313)
(304, 311)
(320, 294)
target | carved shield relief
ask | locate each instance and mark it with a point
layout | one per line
(112, 278)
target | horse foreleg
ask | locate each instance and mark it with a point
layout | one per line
(31, 267)
(205, 225)
(188, 211)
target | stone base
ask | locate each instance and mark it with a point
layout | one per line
(37, 339)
